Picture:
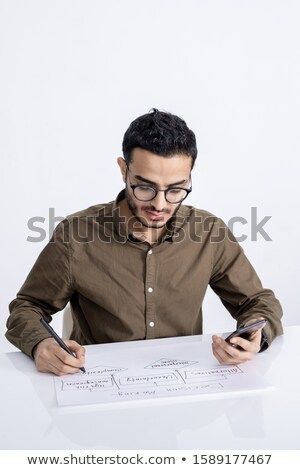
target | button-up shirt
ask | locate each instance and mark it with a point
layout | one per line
(123, 289)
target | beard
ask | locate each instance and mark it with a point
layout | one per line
(134, 210)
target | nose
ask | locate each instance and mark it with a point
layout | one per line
(159, 202)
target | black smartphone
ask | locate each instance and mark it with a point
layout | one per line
(245, 331)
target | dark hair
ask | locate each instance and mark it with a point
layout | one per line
(161, 133)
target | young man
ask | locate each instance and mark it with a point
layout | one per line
(138, 267)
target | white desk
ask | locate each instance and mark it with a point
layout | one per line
(30, 418)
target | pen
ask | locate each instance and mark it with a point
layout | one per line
(58, 339)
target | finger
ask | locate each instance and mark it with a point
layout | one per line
(50, 357)
(217, 356)
(76, 348)
(255, 336)
(222, 355)
(239, 356)
(250, 345)
(63, 369)
(68, 359)
(225, 347)
(229, 354)
(52, 363)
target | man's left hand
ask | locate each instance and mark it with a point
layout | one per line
(238, 350)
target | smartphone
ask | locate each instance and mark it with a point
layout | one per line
(245, 331)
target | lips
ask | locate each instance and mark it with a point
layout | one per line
(155, 215)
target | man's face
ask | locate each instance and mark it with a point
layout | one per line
(149, 169)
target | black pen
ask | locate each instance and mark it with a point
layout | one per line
(58, 339)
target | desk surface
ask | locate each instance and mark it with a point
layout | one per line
(31, 419)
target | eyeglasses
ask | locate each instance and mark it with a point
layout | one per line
(145, 193)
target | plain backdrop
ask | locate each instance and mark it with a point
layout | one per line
(74, 74)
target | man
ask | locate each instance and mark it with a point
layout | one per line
(138, 268)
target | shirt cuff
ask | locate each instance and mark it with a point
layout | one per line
(264, 341)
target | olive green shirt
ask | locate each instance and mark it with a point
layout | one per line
(122, 289)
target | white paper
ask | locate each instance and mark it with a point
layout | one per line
(154, 371)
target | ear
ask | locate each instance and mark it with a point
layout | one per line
(123, 167)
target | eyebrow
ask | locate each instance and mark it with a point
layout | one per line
(145, 180)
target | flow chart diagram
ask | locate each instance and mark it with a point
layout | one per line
(137, 377)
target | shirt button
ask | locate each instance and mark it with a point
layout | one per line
(151, 324)
(150, 252)
(150, 289)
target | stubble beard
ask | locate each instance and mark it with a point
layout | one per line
(134, 210)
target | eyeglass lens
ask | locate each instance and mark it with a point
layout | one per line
(147, 193)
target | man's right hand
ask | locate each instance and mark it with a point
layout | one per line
(50, 357)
